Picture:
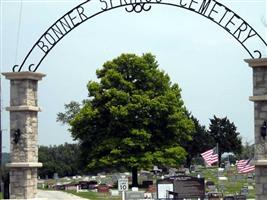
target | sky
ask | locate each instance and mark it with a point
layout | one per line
(203, 58)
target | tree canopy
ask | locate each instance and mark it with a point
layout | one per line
(134, 117)
(225, 134)
(201, 141)
(61, 159)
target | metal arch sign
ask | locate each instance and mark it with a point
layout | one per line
(210, 9)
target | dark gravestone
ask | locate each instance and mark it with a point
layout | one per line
(240, 197)
(189, 187)
(215, 196)
(102, 188)
(244, 191)
(146, 184)
(229, 198)
(131, 195)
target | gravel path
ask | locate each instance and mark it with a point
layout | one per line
(44, 194)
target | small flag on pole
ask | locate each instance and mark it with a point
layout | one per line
(244, 166)
(210, 156)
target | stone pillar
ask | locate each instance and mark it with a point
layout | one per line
(23, 134)
(259, 67)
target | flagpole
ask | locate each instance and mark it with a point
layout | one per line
(218, 165)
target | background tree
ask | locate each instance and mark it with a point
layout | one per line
(201, 141)
(225, 134)
(134, 117)
(247, 152)
(62, 159)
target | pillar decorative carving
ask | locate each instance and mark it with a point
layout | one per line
(259, 67)
(23, 134)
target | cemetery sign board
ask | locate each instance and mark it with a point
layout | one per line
(189, 187)
(182, 186)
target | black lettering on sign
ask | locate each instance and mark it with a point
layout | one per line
(190, 5)
(61, 28)
(230, 22)
(210, 9)
(57, 31)
(204, 7)
(182, 4)
(226, 11)
(107, 5)
(43, 47)
(49, 38)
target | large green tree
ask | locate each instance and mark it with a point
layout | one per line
(225, 135)
(134, 117)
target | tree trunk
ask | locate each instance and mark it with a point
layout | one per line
(219, 159)
(134, 177)
(188, 161)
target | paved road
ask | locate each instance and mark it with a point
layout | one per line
(44, 194)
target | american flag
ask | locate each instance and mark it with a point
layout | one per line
(244, 166)
(210, 156)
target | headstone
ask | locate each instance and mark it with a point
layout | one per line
(187, 171)
(192, 168)
(221, 187)
(102, 188)
(114, 192)
(208, 183)
(250, 187)
(227, 166)
(148, 195)
(240, 197)
(189, 187)
(131, 195)
(229, 198)
(212, 188)
(239, 177)
(230, 172)
(220, 172)
(215, 196)
(152, 189)
(146, 184)
(55, 176)
(135, 189)
(244, 191)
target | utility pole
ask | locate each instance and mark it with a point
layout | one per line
(1, 170)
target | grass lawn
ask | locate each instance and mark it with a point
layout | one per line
(93, 195)
(231, 186)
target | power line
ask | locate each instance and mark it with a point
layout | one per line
(18, 32)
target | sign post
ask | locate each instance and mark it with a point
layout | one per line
(123, 186)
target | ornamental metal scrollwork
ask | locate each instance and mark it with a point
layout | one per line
(15, 67)
(138, 7)
(30, 68)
